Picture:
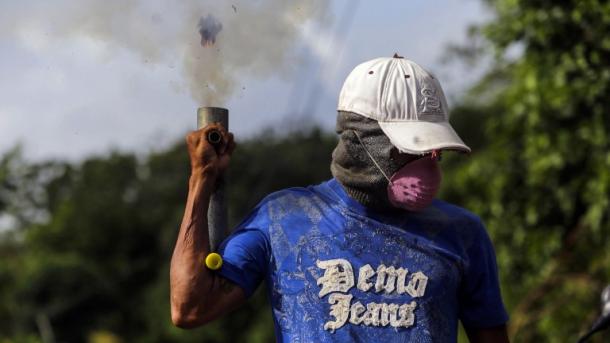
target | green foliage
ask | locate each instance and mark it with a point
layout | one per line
(541, 176)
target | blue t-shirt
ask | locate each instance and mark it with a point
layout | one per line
(338, 272)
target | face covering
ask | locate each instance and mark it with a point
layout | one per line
(414, 186)
(354, 170)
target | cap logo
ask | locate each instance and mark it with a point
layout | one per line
(430, 104)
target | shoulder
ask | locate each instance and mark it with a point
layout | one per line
(296, 196)
(458, 215)
(287, 194)
(291, 201)
(464, 227)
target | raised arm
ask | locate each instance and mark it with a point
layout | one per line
(197, 294)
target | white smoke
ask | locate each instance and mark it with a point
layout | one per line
(237, 39)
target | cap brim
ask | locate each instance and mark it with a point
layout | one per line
(417, 137)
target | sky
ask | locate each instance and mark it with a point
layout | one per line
(83, 77)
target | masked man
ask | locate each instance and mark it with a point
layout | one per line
(369, 256)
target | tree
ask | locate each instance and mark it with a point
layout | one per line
(541, 177)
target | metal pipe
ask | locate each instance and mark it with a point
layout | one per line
(217, 211)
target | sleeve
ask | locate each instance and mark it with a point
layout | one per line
(480, 300)
(245, 253)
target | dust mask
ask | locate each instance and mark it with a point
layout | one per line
(414, 186)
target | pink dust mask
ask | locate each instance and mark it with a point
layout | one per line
(414, 186)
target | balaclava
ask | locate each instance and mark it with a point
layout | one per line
(355, 170)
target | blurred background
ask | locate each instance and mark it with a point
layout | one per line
(96, 97)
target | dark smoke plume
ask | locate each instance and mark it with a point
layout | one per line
(209, 27)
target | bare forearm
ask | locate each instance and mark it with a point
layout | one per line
(193, 237)
(190, 281)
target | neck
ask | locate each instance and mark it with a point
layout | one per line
(376, 200)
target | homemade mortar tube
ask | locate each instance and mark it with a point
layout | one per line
(217, 210)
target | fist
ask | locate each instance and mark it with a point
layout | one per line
(207, 158)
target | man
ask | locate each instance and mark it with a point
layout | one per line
(367, 256)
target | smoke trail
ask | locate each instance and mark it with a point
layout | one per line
(219, 43)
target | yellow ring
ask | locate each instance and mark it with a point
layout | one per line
(213, 261)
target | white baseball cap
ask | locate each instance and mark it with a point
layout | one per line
(406, 101)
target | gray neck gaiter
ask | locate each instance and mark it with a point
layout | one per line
(354, 169)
